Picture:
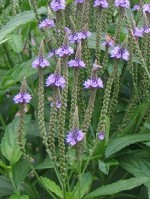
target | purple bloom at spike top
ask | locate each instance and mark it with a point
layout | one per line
(76, 63)
(84, 34)
(122, 3)
(40, 62)
(108, 43)
(57, 5)
(79, 1)
(47, 23)
(56, 80)
(93, 83)
(101, 135)
(146, 29)
(74, 37)
(22, 98)
(138, 32)
(120, 53)
(58, 104)
(74, 136)
(136, 7)
(146, 8)
(101, 3)
(65, 50)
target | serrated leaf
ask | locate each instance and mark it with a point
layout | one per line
(52, 186)
(9, 145)
(86, 181)
(117, 187)
(19, 20)
(15, 43)
(120, 143)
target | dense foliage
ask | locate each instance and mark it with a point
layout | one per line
(74, 99)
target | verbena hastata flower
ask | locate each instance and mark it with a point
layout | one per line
(56, 80)
(120, 53)
(136, 7)
(94, 82)
(122, 3)
(64, 50)
(74, 136)
(108, 44)
(138, 32)
(40, 62)
(146, 29)
(58, 104)
(146, 8)
(57, 5)
(84, 35)
(101, 3)
(74, 37)
(101, 136)
(22, 98)
(76, 63)
(51, 53)
(47, 23)
(79, 1)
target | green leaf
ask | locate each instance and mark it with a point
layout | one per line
(120, 143)
(52, 186)
(15, 43)
(46, 164)
(9, 145)
(117, 187)
(19, 20)
(5, 186)
(16, 196)
(85, 183)
(103, 167)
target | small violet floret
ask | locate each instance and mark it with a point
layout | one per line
(138, 32)
(76, 63)
(146, 29)
(74, 136)
(56, 80)
(93, 83)
(122, 3)
(57, 5)
(58, 104)
(79, 1)
(120, 53)
(40, 62)
(101, 3)
(136, 7)
(101, 136)
(22, 98)
(84, 35)
(47, 23)
(65, 50)
(146, 8)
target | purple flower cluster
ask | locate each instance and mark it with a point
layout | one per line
(120, 53)
(122, 3)
(51, 53)
(47, 23)
(101, 3)
(108, 43)
(57, 5)
(79, 1)
(138, 32)
(146, 8)
(78, 36)
(56, 80)
(93, 83)
(64, 50)
(58, 104)
(136, 7)
(40, 62)
(101, 135)
(22, 98)
(76, 63)
(146, 29)
(74, 136)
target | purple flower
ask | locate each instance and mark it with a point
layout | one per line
(122, 3)
(119, 53)
(84, 34)
(57, 5)
(51, 53)
(101, 135)
(146, 29)
(76, 63)
(138, 32)
(74, 37)
(47, 23)
(74, 136)
(22, 98)
(56, 80)
(93, 83)
(146, 8)
(136, 7)
(40, 62)
(79, 1)
(58, 104)
(101, 3)
(108, 43)
(64, 51)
